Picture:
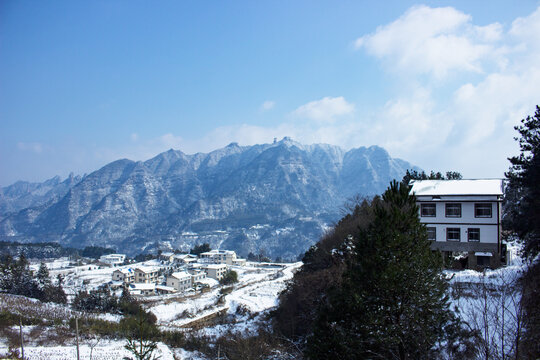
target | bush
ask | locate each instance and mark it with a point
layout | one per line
(229, 278)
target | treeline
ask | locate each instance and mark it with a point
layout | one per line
(49, 250)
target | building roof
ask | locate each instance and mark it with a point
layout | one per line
(125, 270)
(457, 187)
(217, 252)
(147, 269)
(215, 266)
(142, 286)
(181, 275)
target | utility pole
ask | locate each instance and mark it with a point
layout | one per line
(21, 335)
(77, 335)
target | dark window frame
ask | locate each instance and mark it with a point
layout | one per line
(474, 231)
(434, 231)
(428, 206)
(477, 207)
(450, 205)
(453, 230)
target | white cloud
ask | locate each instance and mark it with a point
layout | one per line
(30, 146)
(134, 137)
(325, 109)
(268, 105)
(433, 41)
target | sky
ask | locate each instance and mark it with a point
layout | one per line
(440, 84)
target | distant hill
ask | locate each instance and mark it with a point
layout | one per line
(272, 198)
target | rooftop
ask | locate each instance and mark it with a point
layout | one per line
(457, 187)
(180, 275)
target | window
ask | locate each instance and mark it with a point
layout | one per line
(432, 233)
(428, 210)
(453, 234)
(482, 210)
(453, 210)
(473, 234)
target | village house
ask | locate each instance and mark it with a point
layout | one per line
(215, 271)
(113, 259)
(167, 256)
(142, 289)
(125, 275)
(146, 274)
(180, 281)
(463, 216)
(221, 257)
(185, 259)
(196, 275)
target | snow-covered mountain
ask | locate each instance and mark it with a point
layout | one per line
(272, 198)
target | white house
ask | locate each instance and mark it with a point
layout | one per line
(142, 289)
(113, 259)
(126, 275)
(221, 257)
(463, 216)
(146, 274)
(215, 271)
(180, 280)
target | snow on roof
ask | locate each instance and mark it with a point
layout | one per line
(142, 286)
(215, 252)
(147, 269)
(180, 275)
(479, 253)
(457, 187)
(165, 288)
(215, 266)
(124, 270)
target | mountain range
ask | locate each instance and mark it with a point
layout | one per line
(276, 199)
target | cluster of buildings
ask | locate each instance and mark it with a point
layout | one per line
(178, 272)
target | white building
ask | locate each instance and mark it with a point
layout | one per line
(146, 274)
(463, 216)
(125, 275)
(180, 280)
(215, 271)
(113, 259)
(221, 257)
(142, 289)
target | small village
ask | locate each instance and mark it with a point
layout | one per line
(168, 273)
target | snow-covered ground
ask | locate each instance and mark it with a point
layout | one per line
(242, 307)
(100, 350)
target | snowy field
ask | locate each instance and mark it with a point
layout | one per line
(102, 350)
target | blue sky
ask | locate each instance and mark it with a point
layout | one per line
(439, 83)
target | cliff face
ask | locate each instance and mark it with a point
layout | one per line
(272, 198)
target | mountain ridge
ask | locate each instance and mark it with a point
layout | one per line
(274, 198)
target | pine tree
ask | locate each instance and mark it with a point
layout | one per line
(392, 303)
(42, 276)
(524, 219)
(524, 176)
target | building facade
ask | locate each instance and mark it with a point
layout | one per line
(215, 271)
(146, 274)
(180, 281)
(463, 216)
(126, 275)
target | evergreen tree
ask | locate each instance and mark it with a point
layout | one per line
(524, 176)
(198, 249)
(523, 198)
(43, 278)
(392, 302)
